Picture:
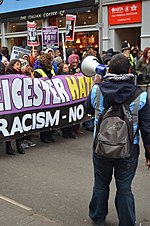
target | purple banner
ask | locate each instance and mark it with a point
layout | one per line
(28, 105)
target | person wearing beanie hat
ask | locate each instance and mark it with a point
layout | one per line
(49, 50)
(73, 58)
(126, 53)
(73, 61)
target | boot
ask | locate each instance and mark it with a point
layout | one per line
(9, 149)
(19, 147)
(51, 138)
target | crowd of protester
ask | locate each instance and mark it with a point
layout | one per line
(48, 63)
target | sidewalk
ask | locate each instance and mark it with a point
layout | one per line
(13, 215)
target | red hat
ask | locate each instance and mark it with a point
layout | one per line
(73, 57)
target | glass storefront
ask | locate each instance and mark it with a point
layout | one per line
(82, 39)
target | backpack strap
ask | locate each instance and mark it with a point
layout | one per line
(98, 94)
(136, 99)
(137, 93)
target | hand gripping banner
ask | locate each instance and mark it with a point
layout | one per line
(32, 105)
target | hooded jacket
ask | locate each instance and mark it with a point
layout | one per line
(112, 93)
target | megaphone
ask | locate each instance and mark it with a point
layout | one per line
(90, 66)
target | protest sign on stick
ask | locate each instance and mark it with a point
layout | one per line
(32, 36)
(70, 27)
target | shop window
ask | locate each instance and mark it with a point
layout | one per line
(87, 18)
(84, 39)
(21, 26)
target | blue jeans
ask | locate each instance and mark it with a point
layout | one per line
(124, 171)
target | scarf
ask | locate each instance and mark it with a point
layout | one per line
(118, 78)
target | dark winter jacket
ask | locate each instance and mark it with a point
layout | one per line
(112, 93)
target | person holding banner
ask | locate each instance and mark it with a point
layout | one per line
(14, 67)
(67, 132)
(44, 69)
(74, 69)
(50, 51)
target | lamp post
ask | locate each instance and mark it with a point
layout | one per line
(100, 25)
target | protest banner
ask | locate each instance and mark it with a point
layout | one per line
(17, 52)
(32, 105)
(50, 37)
(70, 27)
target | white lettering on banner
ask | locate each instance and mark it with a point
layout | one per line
(3, 126)
(6, 93)
(16, 127)
(37, 99)
(16, 93)
(40, 120)
(61, 90)
(52, 121)
(76, 113)
(25, 117)
(26, 92)
(27, 95)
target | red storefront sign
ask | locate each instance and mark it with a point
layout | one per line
(125, 13)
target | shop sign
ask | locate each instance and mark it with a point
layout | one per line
(70, 27)
(32, 37)
(42, 15)
(50, 37)
(125, 13)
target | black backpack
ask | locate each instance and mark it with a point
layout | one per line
(115, 133)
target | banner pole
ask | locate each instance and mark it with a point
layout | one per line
(33, 51)
(64, 48)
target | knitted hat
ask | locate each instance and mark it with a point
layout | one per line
(125, 45)
(48, 50)
(73, 57)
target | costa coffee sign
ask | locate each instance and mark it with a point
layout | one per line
(125, 13)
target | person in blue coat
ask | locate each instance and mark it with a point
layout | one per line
(117, 88)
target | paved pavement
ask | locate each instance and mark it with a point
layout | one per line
(54, 184)
(13, 214)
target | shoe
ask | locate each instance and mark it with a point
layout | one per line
(78, 132)
(52, 139)
(56, 132)
(45, 141)
(24, 144)
(20, 149)
(72, 136)
(96, 223)
(99, 224)
(91, 129)
(65, 136)
(31, 144)
(10, 151)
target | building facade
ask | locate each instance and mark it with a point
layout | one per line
(100, 23)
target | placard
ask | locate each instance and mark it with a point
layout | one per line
(17, 52)
(32, 37)
(70, 27)
(50, 37)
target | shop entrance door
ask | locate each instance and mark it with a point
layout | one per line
(132, 35)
